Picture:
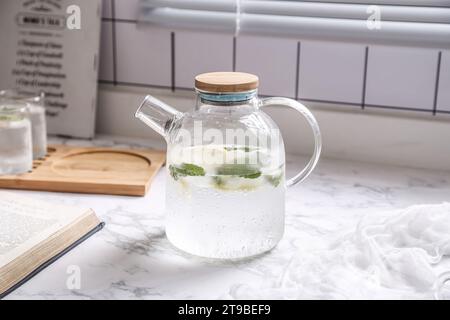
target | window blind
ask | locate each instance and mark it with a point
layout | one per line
(404, 22)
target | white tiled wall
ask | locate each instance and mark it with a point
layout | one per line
(106, 9)
(143, 55)
(106, 53)
(126, 9)
(443, 101)
(401, 77)
(331, 71)
(340, 73)
(272, 59)
(197, 53)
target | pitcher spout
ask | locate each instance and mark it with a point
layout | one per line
(157, 115)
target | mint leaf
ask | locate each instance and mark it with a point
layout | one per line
(275, 179)
(186, 169)
(10, 118)
(173, 172)
(239, 170)
(192, 170)
(253, 175)
(219, 182)
(245, 149)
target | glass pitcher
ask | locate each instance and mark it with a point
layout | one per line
(225, 191)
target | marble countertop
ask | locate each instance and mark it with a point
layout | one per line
(132, 259)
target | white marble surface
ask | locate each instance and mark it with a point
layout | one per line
(131, 258)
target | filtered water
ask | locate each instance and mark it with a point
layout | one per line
(15, 146)
(231, 213)
(36, 115)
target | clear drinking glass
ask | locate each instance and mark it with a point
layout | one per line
(35, 111)
(15, 139)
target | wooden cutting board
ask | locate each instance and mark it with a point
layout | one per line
(90, 170)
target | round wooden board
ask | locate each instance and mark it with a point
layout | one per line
(102, 165)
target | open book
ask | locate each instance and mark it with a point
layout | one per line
(35, 233)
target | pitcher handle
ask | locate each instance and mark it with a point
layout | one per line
(441, 282)
(302, 175)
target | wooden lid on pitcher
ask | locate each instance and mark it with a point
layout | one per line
(226, 82)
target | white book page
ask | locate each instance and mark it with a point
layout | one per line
(25, 222)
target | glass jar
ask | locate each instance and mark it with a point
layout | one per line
(15, 139)
(36, 112)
